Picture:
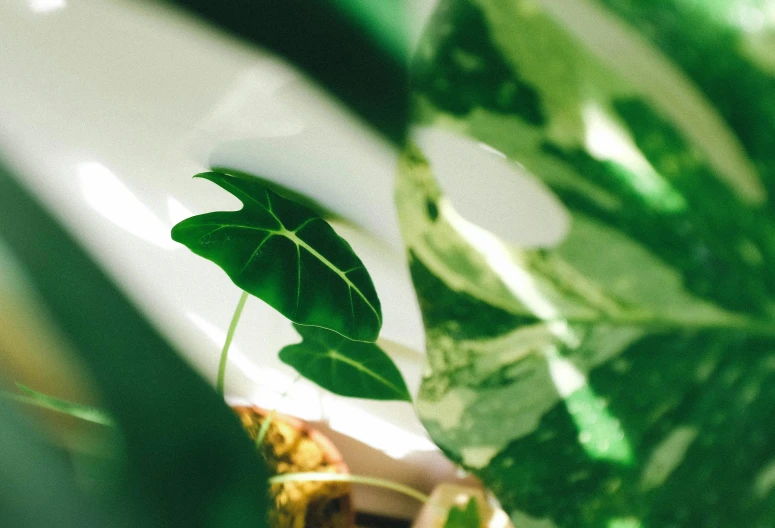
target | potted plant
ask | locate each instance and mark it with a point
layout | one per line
(620, 376)
(286, 255)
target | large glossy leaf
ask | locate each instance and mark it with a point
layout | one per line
(345, 367)
(738, 39)
(287, 256)
(625, 377)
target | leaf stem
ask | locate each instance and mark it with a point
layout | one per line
(268, 421)
(229, 337)
(265, 428)
(355, 479)
(44, 401)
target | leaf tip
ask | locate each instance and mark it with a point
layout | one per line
(209, 175)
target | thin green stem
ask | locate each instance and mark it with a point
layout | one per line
(229, 337)
(265, 425)
(265, 428)
(355, 479)
(44, 401)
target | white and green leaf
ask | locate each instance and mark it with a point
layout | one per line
(625, 377)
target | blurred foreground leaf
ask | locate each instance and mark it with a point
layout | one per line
(188, 461)
(37, 485)
(467, 517)
(625, 376)
(44, 401)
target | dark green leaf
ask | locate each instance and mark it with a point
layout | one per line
(344, 367)
(386, 21)
(464, 518)
(287, 256)
(38, 487)
(624, 377)
(302, 199)
(188, 462)
(342, 44)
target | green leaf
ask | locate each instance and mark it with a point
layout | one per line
(82, 412)
(464, 518)
(39, 487)
(187, 461)
(344, 367)
(722, 34)
(369, 75)
(385, 21)
(626, 376)
(287, 256)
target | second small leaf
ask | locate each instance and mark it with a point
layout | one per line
(344, 367)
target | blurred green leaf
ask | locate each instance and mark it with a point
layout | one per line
(624, 376)
(344, 367)
(37, 485)
(386, 20)
(287, 256)
(349, 46)
(188, 461)
(82, 412)
(467, 517)
(727, 48)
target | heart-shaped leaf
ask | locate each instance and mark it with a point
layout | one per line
(287, 256)
(344, 367)
(626, 376)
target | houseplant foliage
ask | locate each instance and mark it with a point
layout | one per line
(345, 367)
(286, 255)
(624, 377)
(186, 462)
(183, 458)
(283, 253)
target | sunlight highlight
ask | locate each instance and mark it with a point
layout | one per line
(567, 378)
(374, 431)
(600, 433)
(176, 211)
(273, 389)
(607, 140)
(47, 6)
(749, 18)
(625, 522)
(517, 280)
(107, 195)
(499, 519)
